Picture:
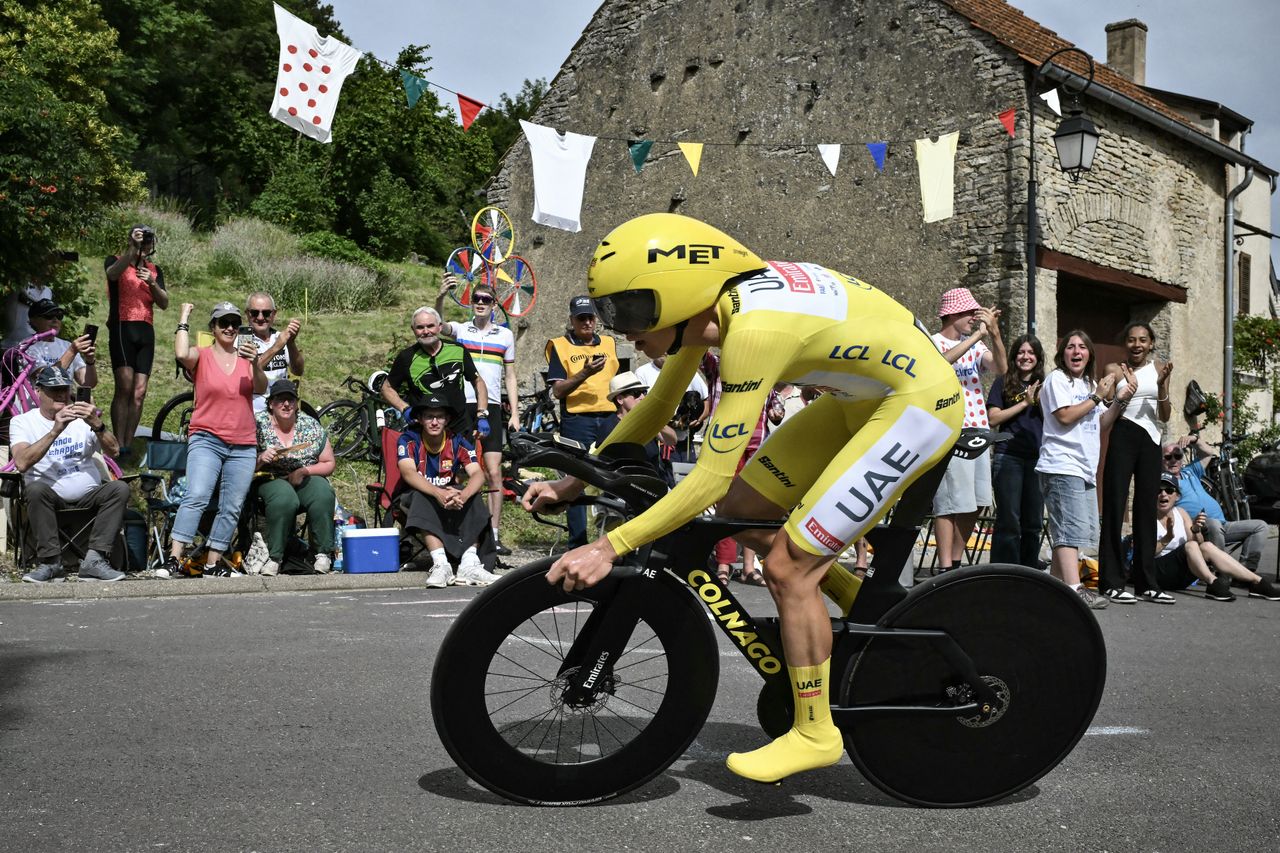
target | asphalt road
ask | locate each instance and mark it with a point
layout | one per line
(300, 722)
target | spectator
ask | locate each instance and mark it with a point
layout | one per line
(686, 422)
(1013, 406)
(278, 352)
(134, 286)
(1133, 453)
(1182, 556)
(16, 304)
(966, 486)
(433, 368)
(1074, 414)
(222, 441)
(79, 357)
(493, 349)
(53, 446)
(1250, 533)
(580, 364)
(295, 450)
(446, 512)
(625, 390)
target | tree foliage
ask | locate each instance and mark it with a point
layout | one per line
(61, 160)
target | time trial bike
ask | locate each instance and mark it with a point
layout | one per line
(962, 691)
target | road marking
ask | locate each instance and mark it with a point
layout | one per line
(1117, 730)
(423, 601)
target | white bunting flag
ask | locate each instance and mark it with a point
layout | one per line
(830, 156)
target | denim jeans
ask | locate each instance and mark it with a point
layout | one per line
(586, 429)
(208, 459)
(1019, 510)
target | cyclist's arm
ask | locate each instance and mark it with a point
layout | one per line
(470, 374)
(643, 423)
(513, 394)
(757, 354)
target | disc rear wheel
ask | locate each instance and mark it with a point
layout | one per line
(1033, 642)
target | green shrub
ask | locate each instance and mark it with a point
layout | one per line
(326, 244)
(297, 198)
(180, 252)
(322, 286)
(390, 214)
(243, 243)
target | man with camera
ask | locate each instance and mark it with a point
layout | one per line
(580, 364)
(135, 286)
(53, 447)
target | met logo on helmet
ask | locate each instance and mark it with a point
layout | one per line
(694, 253)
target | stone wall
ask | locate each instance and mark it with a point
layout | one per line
(768, 80)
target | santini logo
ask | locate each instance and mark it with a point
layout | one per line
(694, 253)
(947, 402)
(740, 387)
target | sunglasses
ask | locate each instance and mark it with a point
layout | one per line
(1167, 490)
(258, 313)
(1172, 457)
(482, 300)
(227, 322)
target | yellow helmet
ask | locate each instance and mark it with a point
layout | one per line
(660, 269)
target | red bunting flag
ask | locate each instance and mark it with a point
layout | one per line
(468, 108)
(1006, 118)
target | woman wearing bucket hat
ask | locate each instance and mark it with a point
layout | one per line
(966, 487)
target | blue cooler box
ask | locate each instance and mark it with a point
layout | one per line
(375, 549)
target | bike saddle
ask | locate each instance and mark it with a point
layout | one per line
(974, 441)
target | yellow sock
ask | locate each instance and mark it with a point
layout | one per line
(841, 586)
(813, 740)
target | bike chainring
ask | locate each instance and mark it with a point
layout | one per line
(962, 694)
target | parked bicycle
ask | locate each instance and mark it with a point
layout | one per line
(175, 416)
(539, 410)
(355, 426)
(16, 368)
(547, 697)
(1222, 477)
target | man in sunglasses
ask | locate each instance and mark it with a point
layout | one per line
(493, 349)
(278, 351)
(1206, 511)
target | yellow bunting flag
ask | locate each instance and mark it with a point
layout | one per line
(692, 153)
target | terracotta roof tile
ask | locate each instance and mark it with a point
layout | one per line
(1034, 43)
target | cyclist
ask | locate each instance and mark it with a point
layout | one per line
(674, 285)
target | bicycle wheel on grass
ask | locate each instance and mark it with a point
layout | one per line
(1031, 639)
(497, 690)
(347, 423)
(516, 286)
(174, 417)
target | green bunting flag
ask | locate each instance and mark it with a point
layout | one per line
(639, 149)
(413, 87)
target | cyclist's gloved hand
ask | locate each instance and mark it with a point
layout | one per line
(404, 413)
(482, 426)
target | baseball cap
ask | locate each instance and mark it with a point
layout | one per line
(958, 300)
(580, 305)
(282, 386)
(623, 383)
(53, 376)
(1170, 481)
(44, 308)
(224, 309)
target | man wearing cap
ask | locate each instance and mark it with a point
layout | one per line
(78, 357)
(966, 486)
(580, 364)
(134, 286)
(446, 512)
(53, 445)
(432, 368)
(278, 351)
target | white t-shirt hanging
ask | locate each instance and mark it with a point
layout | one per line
(937, 164)
(559, 174)
(309, 76)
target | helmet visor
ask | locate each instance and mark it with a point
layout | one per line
(629, 311)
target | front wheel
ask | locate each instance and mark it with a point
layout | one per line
(499, 688)
(347, 423)
(1032, 641)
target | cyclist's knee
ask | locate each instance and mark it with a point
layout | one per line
(791, 569)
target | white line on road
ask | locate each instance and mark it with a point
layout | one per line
(1117, 730)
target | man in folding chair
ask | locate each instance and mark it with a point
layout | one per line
(53, 446)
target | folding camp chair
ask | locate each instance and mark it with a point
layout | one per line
(383, 508)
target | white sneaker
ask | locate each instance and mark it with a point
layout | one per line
(323, 564)
(440, 576)
(270, 569)
(472, 573)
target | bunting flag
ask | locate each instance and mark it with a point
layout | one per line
(937, 164)
(559, 174)
(1006, 118)
(879, 150)
(413, 87)
(639, 149)
(468, 109)
(692, 153)
(309, 76)
(830, 155)
(1051, 98)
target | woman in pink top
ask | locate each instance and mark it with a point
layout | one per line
(222, 440)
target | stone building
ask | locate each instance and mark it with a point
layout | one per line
(763, 82)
